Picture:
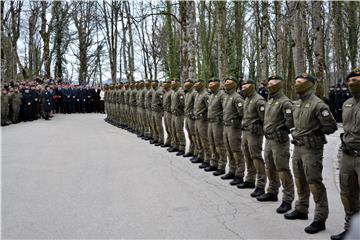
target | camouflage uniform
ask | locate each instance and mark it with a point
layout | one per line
(201, 126)
(167, 114)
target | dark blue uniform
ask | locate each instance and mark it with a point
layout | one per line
(47, 106)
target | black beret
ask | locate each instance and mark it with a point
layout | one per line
(307, 77)
(189, 80)
(249, 81)
(275, 77)
(230, 78)
(199, 80)
(355, 72)
(155, 81)
(214, 79)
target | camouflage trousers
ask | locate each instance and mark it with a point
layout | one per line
(202, 141)
(156, 123)
(349, 186)
(216, 144)
(177, 130)
(190, 128)
(167, 121)
(252, 146)
(277, 169)
(307, 167)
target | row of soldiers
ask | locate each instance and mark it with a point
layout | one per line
(224, 128)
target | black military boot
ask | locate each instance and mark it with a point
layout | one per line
(257, 192)
(296, 215)
(188, 154)
(340, 236)
(158, 144)
(236, 181)
(210, 169)
(197, 160)
(172, 149)
(267, 197)
(246, 185)
(180, 153)
(228, 176)
(204, 165)
(315, 227)
(219, 172)
(165, 145)
(153, 141)
(284, 207)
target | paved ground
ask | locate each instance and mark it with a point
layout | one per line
(79, 177)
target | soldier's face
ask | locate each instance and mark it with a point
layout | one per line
(245, 86)
(300, 80)
(187, 85)
(353, 80)
(273, 82)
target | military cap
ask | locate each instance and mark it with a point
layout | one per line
(355, 72)
(167, 81)
(231, 78)
(275, 77)
(214, 79)
(189, 80)
(200, 80)
(249, 81)
(307, 77)
(155, 81)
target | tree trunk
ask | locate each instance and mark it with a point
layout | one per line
(353, 31)
(221, 39)
(297, 36)
(318, 35)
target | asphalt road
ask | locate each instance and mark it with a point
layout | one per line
(78, 177)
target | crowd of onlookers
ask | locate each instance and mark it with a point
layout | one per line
(338, 94)
(30, 100)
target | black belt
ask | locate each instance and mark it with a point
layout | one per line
(351, 152)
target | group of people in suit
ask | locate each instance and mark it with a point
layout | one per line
(32, 100)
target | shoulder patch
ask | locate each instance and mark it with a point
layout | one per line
(239, 104)
(288, 110)
(325, 113)
(349, 105)
(307, 105)
(262, 108)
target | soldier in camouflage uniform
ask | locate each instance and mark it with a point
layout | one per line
(16, 103)
(5, 106)
(277, 124)
(350, 160)
(121, 107)
(190, 95)
(167, 112)
(156, 116)
(216, 128)
(148, 111)
(312, 120)
(117, 104)
(111, 104)
(233, 105)
(127, 106)
(177, 119)
(252, 138)
(106, 93)
(201, 124)
(141, 108)
(132, 104)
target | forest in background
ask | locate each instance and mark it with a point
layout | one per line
(92, 41)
